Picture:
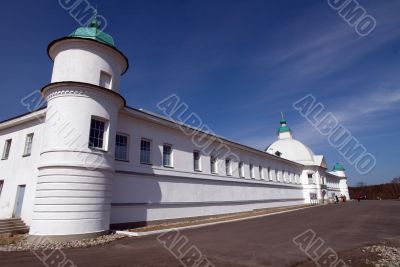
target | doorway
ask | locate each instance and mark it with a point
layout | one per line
(19, 201)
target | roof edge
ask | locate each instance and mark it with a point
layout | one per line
(89, 40)
(158, 116)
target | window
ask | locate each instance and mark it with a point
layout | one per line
(251, 170)
(96, 135)
(7, 147)
(277, 153)
(213, 164)
(196, 161)
(296, 178)
(279, 176)
(1, 186)
(310, 178)
(269, 175)
(105, 80)
(145, 148)
(167, 155)
(228, 167)
(28, 145)
(121, 147)
(261, 172)
(241, 169)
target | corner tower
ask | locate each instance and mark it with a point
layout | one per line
(76, 167)
(339, 171)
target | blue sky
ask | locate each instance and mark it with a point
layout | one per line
(237, 64)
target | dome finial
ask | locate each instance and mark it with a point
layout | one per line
(93, 30)
(283, 121)
(284, 130)
(94, 23)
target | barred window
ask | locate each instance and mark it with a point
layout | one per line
(96, 136)
(167, 155)
(145, 149)
(121, 147)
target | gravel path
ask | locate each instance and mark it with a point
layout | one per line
(24, 245)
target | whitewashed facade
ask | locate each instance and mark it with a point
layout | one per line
(87, 160)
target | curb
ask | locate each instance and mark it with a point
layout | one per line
(137, 234)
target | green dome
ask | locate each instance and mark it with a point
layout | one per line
(284, 129)
(338, 167)
(93, 32)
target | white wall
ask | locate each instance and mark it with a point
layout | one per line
(153, 192)
(19, 170)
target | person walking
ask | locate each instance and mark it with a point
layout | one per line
(336, 199)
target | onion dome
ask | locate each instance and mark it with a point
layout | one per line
(283, 128)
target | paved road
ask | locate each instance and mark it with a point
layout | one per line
(257, 242)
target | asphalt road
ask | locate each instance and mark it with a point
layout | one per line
(263, 241)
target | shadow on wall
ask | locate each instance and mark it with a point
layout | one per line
(134, 195)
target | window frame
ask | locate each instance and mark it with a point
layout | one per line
(251, 169)
(198, 169)
(285, 176)
(269, 177)
(6, 149)
(241, 170)
(228, 167)
(213, 165)
(28, 145)
(171, 156)
(149, 151)
(127, 147)
(297, 178)
(104, 148)
(1, 186)
(312, 178)
(280, 176)
(102, 72)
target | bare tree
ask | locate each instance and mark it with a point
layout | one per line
(361, 184)
(396, 180)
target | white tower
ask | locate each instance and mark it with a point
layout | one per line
(339, 171)
(76, 169)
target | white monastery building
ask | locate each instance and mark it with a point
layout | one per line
(87, 162)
